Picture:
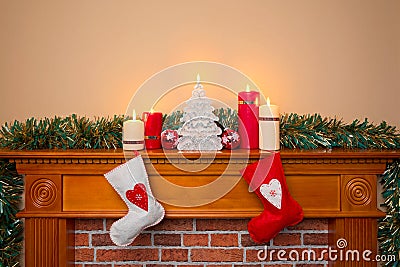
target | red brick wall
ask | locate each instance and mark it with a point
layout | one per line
(194, 242)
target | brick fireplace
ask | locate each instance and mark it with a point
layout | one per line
(196, 242)
(70, 207)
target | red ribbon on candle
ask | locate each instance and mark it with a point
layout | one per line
(248, 104)
(152, 129)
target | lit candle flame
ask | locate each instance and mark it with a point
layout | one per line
(268, 102)
(198, 84)
(247, 88)
(151, 110)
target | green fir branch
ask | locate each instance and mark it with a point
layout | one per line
(304, 131)
(309, 131)
(11, 230)
(173, 121)
(71, 132)
(227, 118)
(389, 227)
(314, 131)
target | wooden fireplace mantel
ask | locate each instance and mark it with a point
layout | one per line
(63, 185)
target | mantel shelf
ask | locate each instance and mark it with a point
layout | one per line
(316, 179)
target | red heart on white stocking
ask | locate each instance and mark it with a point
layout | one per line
(272, 192)
(138, 196)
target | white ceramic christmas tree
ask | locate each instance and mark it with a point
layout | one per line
(199, 131)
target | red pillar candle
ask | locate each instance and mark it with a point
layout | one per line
(152, 129)
(248, 103)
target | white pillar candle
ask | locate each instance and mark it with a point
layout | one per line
(133, 134)
(268, 124)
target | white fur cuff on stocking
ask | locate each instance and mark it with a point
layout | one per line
(131, 182)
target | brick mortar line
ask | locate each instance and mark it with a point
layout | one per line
(189, 256)
(178, 263)
(105, 224)
(152, 239)
(181, 238)
(91, 231)
(319, 262)
(202, 262)
(324, 263)
(194, 232)
(95, 255)
(273, 264)
(203, 247)
(183, 246)
(306, 231)
(293, 262)
(301, 238)
(311, 231)
(244, 255)
(298, 246)
(202, 232)
(162, 263)
(240, 240)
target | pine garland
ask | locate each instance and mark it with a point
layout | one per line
(228, 118)
(389, 227)
(173, 121)
(71, 132)
(314, 131)
(11, 231)
(297, 131)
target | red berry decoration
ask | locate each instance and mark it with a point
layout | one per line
(230, 139)
(169, 139)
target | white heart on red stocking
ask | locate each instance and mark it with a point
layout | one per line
(272, 192)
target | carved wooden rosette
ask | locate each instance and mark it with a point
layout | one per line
(359, 192)
(44, 192)
(62, 186)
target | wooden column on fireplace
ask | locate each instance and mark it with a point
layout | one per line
(63, 185)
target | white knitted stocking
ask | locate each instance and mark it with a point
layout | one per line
(131, 182)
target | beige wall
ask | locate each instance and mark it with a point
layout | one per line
(338, 58)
